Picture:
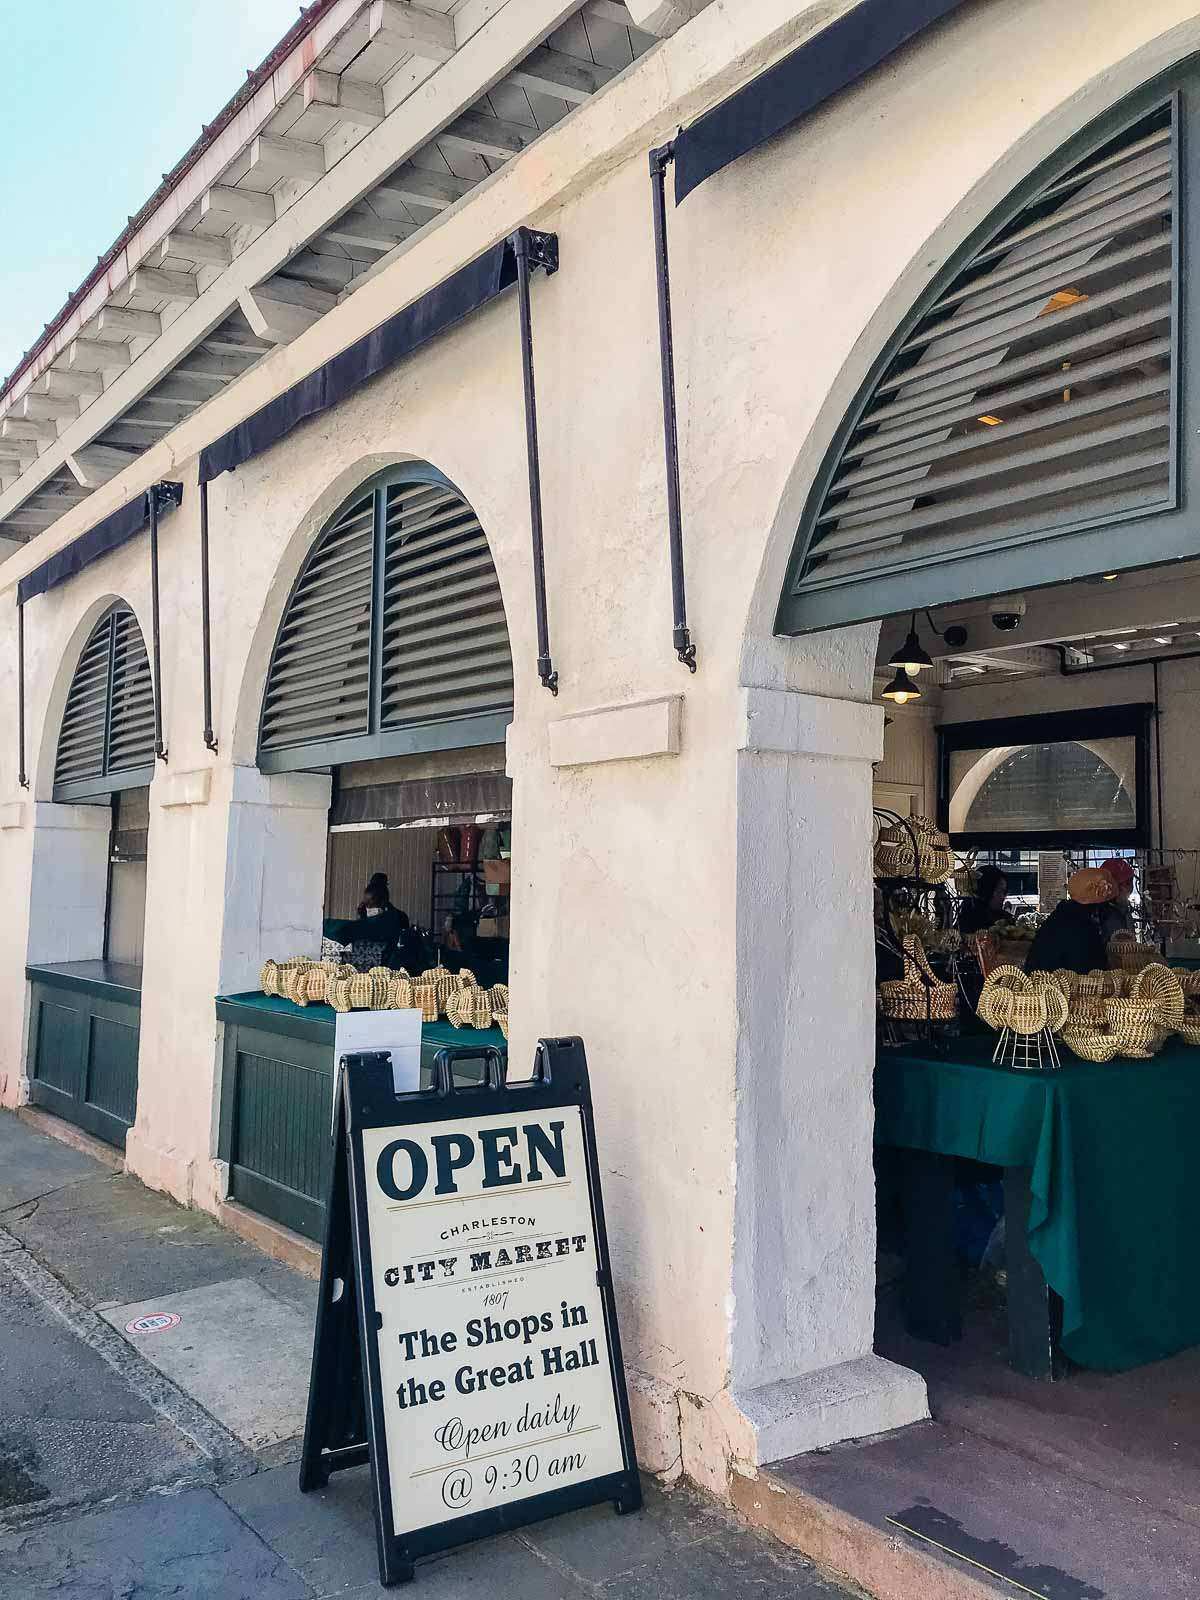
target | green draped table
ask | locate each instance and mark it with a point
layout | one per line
(1112, 1209)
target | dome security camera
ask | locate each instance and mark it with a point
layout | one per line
(1007, 611)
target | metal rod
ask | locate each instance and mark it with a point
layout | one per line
(1158, 764)
(681, 635)
(522, 241)
(160, 749)
(210, 738)
(22, 776)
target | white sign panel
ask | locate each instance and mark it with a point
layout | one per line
(493, 1356)
(396, 1032)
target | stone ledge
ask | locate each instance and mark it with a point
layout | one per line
(272, 1238)
(884, 1564)
(786, 722)
(184, 788)
(618, 733)
(849, 1401)
(66, 1133)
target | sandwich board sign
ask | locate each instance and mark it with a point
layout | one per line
(466, 1344)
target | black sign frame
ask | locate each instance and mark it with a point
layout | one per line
(345, 1424)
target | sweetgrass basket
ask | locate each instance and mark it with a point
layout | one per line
(920, 995)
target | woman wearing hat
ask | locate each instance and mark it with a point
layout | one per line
(1070, 937)
(1117, 915)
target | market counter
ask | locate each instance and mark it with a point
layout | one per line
(1114, 1208)
(82, 1056)
(276, 1095)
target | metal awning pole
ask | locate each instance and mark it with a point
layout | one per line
(681, 635)
(210, 738)
(165, 494)
(22, 776)
(542, 249)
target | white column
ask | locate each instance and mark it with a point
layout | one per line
(802, 1309)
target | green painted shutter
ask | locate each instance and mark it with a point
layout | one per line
(445, 640)
(394, 639)
(106, 742)
(319, 683)
(1034, 397)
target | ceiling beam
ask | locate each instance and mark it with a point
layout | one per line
(87, 355)
(27, 428)
(98, 463)
(238, 205)
(178, 287)
(118, 322)
(482, 135)
(46, 407)
(56, 381)
(212, 370)
(360, 104)
(365, 228)
(567, 78)
(663, 17)
(204, 249)
(434, 190)
(275, 158)
(411, 30)
(281, 309)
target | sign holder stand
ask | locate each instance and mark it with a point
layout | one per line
(345, 1424)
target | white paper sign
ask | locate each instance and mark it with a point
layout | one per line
(397, 1032)
(493, 1356)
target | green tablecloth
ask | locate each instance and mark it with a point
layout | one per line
(436, 1034)
(1115, 1215)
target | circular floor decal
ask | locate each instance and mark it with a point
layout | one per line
(155, 1323)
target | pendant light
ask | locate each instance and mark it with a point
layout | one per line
(901, 689)
(911, 658)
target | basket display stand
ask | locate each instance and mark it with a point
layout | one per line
(931, 900)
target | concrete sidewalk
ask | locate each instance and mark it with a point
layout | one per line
(153, 1374)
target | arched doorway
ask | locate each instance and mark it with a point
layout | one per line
(390, 672)
(85, 1012)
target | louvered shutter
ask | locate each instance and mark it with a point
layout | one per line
(445, 641)
(106, 741)
(394, 638)
(319, 683)
(1033, 397)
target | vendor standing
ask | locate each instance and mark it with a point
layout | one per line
(1070, 938)
(986, 906)
(376, 935)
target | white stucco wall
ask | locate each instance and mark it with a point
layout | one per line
(700, 917)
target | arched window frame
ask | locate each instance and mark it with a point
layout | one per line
(111, 778)
(1159, 533)
(455, 732)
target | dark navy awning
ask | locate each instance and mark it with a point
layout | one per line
(814, 72)
(456, 297)
(110, 534)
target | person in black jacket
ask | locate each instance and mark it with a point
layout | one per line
(376, 936)
(986, 906)
(1070, 937)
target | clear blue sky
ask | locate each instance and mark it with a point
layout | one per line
(100, 99)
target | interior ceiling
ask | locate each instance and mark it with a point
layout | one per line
(1149, 614)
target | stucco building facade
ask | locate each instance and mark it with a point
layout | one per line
(691, 882)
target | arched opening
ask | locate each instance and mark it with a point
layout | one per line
(88, 894)
(390, 680)
(1000, 487)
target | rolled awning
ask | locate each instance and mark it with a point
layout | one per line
(820, 68)
(448, 303)
(114, 531)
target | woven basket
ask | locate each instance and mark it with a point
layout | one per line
(914, 850)
(467, 979)
(1104, 984)
(920, 995)
(273, 974)
(294, 983)
(1125, 953)
(424, 997)
(1159, 985)
(498, 995)
(469, 1007)
(444, 984)
(400, 992)
(1092, 1044)
(1011, 1000)
(1189, 980)
(501, 1020)
(1189, 1029)
(313, 983)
